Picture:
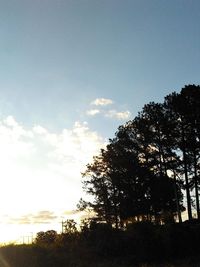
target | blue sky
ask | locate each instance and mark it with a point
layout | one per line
(59, 56)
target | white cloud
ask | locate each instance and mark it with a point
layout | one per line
(93, 112)
(41, 170)
(123, 115)
(113, 113)
(39, 129)
(102, 102)
(10, 121)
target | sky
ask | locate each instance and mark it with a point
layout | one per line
(71, 72)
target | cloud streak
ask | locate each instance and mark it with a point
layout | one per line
(93, 112)
(41, 217)
(123, 115)
(102, 102)
(105, 112)
(112, 114)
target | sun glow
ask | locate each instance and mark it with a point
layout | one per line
(40, 175)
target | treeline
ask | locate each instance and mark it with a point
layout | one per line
(100, 245)
(153, 159)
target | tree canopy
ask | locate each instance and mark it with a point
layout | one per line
(153, 160)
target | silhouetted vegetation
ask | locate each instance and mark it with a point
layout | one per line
(101, 245)
(142, 173)
(137, 183)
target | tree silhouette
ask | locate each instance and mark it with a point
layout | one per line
(185, 111)
(46, 238)
(144, 168)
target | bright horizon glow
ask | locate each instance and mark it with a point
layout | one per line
(41, 175)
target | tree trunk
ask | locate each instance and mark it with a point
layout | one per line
(177, 202)
(196, 186)
(189, 209)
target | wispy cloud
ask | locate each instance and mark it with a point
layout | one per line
(102, 102)
(123, 115)
(41, 217)
(71, 212)
(93, 112)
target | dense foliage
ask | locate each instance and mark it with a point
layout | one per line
(142, 173)
(142, 244)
